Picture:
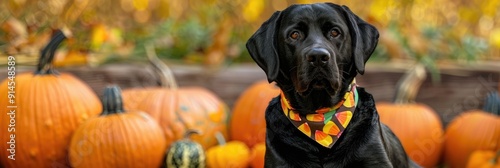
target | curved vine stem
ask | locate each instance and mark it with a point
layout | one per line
(47, 55)
(220, 138)
(167, 78)
(409, 85)
(190, 132)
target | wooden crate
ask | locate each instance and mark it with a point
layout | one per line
(459, 89)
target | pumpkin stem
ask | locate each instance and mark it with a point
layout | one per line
(167, 79)
(492, 104)
(112, 100)
(495, 160)
(191, 132)
(409, 84)
(47, 54)
(220, 138)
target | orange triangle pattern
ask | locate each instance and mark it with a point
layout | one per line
(324, 132)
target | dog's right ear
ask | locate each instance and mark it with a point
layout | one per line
(262, 47)
(364, 37)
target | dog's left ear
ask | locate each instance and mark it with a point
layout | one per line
(364, 38)
(262, 47)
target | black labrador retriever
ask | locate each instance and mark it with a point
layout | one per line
(313, 52)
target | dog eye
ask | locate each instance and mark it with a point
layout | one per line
(295, 35)
(334, 33)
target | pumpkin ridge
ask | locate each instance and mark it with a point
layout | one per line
(64, 96)
(69, 96)
(117, 137)
(101, 122)
(132, 127)
(53, 92)
(144, 138)
(128, 126)
(149, 122)
(122, 125)
(35, 114)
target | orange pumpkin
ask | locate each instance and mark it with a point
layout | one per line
(180, 109)
(161, 104)
(117, 138)
(473, 130)
(248, 122)
(200, 109)
(416, 125)
(233, 154)
(484, 159)
(46, 110)
(257, 155)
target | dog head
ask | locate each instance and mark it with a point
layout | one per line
(313, 49)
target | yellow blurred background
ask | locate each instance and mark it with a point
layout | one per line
(213, 32)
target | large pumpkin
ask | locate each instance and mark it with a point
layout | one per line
(117, 138)
(202, 110)
(473, 130)
(416, 125)
(179, 109)
(47, 108)
(248, 122)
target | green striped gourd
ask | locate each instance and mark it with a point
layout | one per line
(186, 153)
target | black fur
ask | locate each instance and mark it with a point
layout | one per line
(313, 52)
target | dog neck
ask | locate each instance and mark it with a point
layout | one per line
(317, 99)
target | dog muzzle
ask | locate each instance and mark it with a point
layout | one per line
(326, 125)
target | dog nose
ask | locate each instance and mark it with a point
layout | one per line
(318, 56)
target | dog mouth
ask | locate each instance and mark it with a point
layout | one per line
(320, 84)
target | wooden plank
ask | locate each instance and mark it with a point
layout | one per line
(460, 89)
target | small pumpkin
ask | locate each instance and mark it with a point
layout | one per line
(473, 130)
(47, 108)
(186, 153)
(233, 154)
(257, 155)
(248, 123)
(484, 159)
(417, 126)
(117, 138)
